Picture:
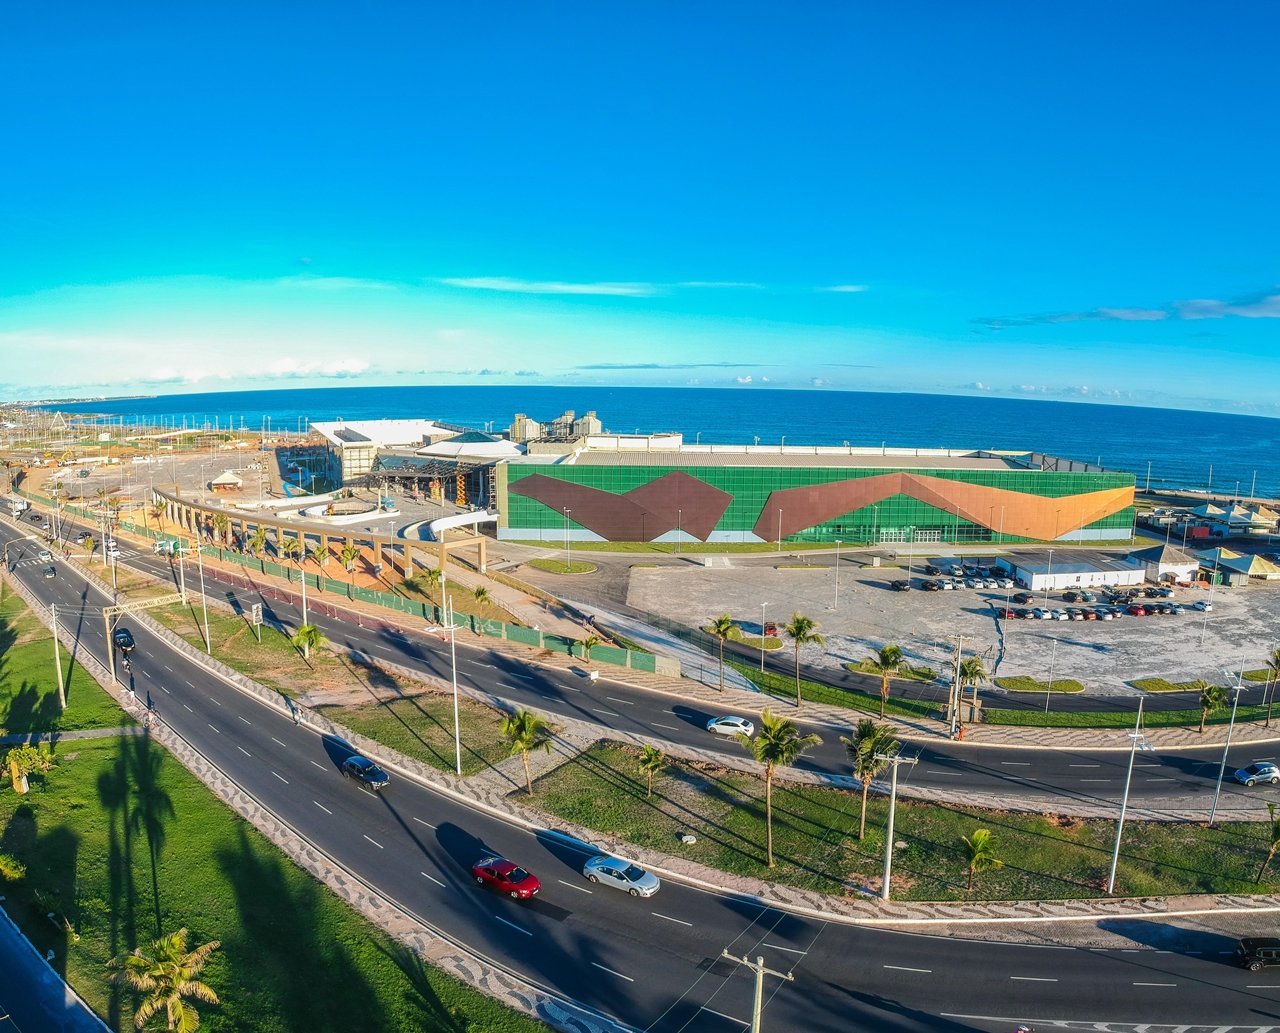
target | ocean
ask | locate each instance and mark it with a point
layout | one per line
(1184, 449)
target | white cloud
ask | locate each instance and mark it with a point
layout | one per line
(727, 284)
(512, 285)
(745, 379)
(1265, 307)
(845, 288)
(332, 283)
(290, 367)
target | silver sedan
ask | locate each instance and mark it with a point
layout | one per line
(622, 875)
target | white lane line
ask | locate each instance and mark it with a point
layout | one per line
(426, 823)
(611, 713)
(779, 947)
(244, 751)
(949, 774)
(1083, 780)
(1033, 979)
(1155, 984)
(513, 925)
(282, 778)
(278, 742)
(1262, 986)
(904, 968)
(628, 702)
(672, 727)
(376, 843)
(322, 807)
(572, 886)
(433, 879)
(166, 689)
(678, 921)
(1016, 763)
(215, 728)
(167, 668)
(479, 664)
(1084, 765)
(215, 700)
(1157, 779)
(552, 698)
(611, 972)
(722, 1015)
(189, 710)
(320, 766)
(244, 719)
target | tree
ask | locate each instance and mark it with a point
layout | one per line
(481, 593)
(652, 762)
(1212, 699)
(1273, 841)
(319, 555)
(870, 748)
(349, 554)
(526, 731)
(221, 523)
(307, 638)
(886, 662)
(88, 544)
(167, 976)
(25, 760)
(980, 854)
(589, 643)
(803, 631)
(972, 674)
(779, 743)
(722, 627)
(258, 540)
(158, 510)
(291, 549)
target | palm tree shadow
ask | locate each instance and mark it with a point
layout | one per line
(436, 1014)
(152, 807)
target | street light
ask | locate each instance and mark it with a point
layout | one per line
(1053, 655)
(762, 606)
(1048, 577)
(1222, 768)
(894, 759)
(567, 554)
(1139, 743)
(836, 604)
(452, 627)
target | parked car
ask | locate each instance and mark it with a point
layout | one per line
(1088, 597)
(1104, 613)
(1070, 597)
(970, 583)
(505, 876)
(947, 585)
(730, 725)
(1263, 771)
(1090, 615)
(1059, 615)
(1178, 610)
(362, 769)
(1040, 614)
(1258, 952)
(932, 571)
(900, 586)
(1203, 605)
(1138, 610)
(1004, 614)
(930, 586)
(621, 875)
(1003, 582)
(1022, 598)
(956, 571)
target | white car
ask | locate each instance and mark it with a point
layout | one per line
(622, 875)
(946, 586)
(1040, 614)
(1059, 615)
(730, 725)
(45, 556)
(1003, 582)
(1203, 605)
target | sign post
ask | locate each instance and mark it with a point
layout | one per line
(256, 618)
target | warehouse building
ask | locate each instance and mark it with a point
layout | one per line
(1038, 572)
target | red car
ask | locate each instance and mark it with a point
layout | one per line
(1138, 611)
(506, 876)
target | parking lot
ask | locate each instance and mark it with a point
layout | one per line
(865, 612)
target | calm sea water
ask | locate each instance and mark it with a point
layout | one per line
(1180, 446)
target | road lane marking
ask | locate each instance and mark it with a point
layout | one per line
(951, 774)
(215, 728)
(672, 727)
(1083, 780)
(244, 719)
(1155, 984)
(628, 702)
(244, 751)
(426, 823)
(322, 807)
(1016, 763)
(320, 766)
(722, 1015)
(189, 710)
(282, 778)
(433, 879)
(611, 713)
(479, 664)
(904, 968)
(376, 843)
(166, 690)
(612, 972)
(573, 886)
(1157, 779)
(1033, 979)
(1084, 765)
(517, 928)
(779, 947)
(214, 700)
(275, 740)
(680, 921)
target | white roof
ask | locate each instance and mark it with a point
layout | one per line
(472, 450)
(380, 433)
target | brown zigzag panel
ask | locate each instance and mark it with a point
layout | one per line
(682, 501)
(791, 510)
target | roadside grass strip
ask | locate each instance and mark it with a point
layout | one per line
(815, 837)
(124, 844)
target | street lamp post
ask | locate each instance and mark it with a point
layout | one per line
(779, 529)
(836, 604)
(1222, 768)
(1139, 743)
(894, 760)
(204, 600)
(57, 659)
(453, 663)
(762, 606)
(567, 553)
(1053, 655)
(1048, 577)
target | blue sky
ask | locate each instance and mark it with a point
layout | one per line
(1067, 201)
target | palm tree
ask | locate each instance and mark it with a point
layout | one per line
(1273, 678)
(291, 549)
(525, 731)
(972, 673)
(870, 749)
(652, 761)
(1273, 841)
(221, 522)
(349, 554)
(1212, 699)
(258, 540)
(307, 638)
(589, 643)
(481, 593)
(885, 661)
(88, 544)
(319, 555)
(167, 975)
(779, 742)
(980, 853)
(722, 627)
(157, 513)
(802, 631)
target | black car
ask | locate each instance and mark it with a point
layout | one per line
(930, 586)
(900, 586)
(364, 770)
(1070, 597)
(1022, 613)
(931, 570)
(1022, 598)
(1258, 952)
(123, 639)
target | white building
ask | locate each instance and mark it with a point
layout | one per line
(353, 446)
(1043, 570)
(1167, 563)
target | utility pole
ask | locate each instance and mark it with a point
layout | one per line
(1139, 743)
(953, 701)
(895, 760)
(57, 660)
(758, 968)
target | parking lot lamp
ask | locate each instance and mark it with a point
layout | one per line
(1139, 743)
(836, 605)
(1048, 577)
(1053, 655)
(762, 606)
(1222, 768)
(204, 600)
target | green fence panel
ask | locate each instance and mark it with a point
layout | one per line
(644, 662)
(526, 636)
(558, 644)
(492, 628)
(610, 655)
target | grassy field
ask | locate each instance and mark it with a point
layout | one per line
(815, 837)
(905, 673)
(422, 728)
(124, 843)
(28, 682)
(1121, 718)
(1025, 683)
(784, 687)
(561, 567)
(1162, 685)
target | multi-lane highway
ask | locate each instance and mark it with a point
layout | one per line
(652, 964)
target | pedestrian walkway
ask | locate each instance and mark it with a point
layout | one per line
(19, 738)
(33, 996)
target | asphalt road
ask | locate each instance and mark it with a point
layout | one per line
(655, 964)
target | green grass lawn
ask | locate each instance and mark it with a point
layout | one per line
(1025, 683)
(816, 845)
(784, 687)
(294, 957)
(28, 681)
(561, 567)
(1162, 685)
(422, 728)
(1121, 718)
(904, 673)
